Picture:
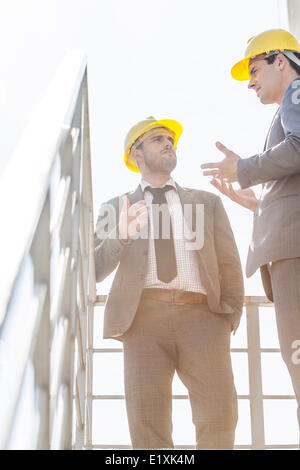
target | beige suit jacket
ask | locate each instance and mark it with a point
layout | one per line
(219, 263)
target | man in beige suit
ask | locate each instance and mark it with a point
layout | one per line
(176, 296)
(272, 65)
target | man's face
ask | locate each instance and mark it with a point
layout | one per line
(265, 80)
(157, 151)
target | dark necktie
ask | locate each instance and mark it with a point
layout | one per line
(164, 247)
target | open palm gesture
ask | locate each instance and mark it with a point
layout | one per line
(244, 197)
(227, 168)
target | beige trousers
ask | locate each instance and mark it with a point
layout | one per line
(285, 278)
(195, 342)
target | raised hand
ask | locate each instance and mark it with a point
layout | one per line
(132, 218)
(244, 197)
(227, 168)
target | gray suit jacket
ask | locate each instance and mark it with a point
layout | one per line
(219, 263)
(276, 228)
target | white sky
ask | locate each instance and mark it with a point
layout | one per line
(166, 58)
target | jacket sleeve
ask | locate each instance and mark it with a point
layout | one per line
(108, 246)
(283, 159)
(232, 284)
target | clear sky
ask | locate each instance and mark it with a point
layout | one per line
(166, 58)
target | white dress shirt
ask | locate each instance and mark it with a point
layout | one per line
(188, 276)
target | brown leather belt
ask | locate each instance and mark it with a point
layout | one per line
(174, 296)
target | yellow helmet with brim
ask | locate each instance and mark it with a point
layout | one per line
(141, 128)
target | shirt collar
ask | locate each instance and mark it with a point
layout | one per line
(145, 183)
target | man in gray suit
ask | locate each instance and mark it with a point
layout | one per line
(176, 296)
(272, 65)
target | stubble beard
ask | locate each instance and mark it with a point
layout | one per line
(166, 165)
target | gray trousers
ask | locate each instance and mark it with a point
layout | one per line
(285, 278)
(195, 342)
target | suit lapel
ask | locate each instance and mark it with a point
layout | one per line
(136, 195)
(187, 198)
(269, 131)
(140, 245)
(267, 138)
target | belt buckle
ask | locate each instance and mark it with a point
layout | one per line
(173, 301)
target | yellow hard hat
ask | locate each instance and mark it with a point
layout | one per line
(274, 39)
(144, 126)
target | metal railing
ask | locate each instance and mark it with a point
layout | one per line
(47, 274)
(255, 397)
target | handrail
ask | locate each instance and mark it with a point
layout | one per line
(24, 184)
(47, 258)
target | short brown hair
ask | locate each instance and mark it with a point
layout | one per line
(270, 60)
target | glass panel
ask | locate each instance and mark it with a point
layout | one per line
(275, 377)
(108, 374)
(243, 429)
(183, 428)
(98, 340)
(110, 423)
(268, 328)
(240, 372)
(281, 425)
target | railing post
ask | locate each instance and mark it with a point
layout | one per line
(255, 377)
(88, 242)
(40, 254)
